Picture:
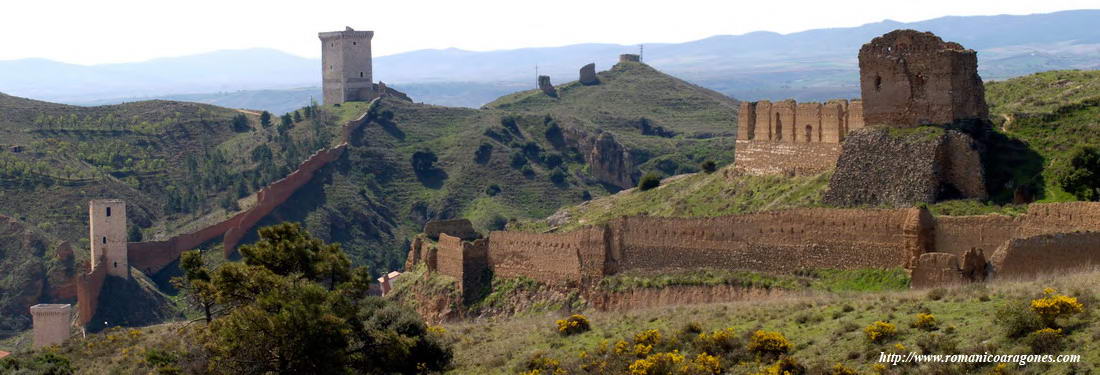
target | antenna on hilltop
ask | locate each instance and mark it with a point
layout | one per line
(536, 76)
(641, 52)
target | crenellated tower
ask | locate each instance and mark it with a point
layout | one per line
(346, 66)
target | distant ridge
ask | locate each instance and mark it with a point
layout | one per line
(809, 65)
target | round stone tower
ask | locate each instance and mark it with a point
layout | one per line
(107, 227)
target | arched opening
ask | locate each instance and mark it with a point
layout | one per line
(778, 128)
(878, 82)
(116, 264)
(104, 239)
(108, 212)
(360, 74)
(809, 133)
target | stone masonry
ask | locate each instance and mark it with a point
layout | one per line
(629, 57)
(792, 122)
(346, 66)
(107, 227)
(547, 87)
(909, 78)
(588, 75)
(51, 324)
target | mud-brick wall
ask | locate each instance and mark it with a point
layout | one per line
(773, 241)
(1048, 218)
(88, 286)
(550, 258)
(958, 234)
(1047, 253)
(466, 261)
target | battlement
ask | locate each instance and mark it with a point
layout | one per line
(348, 33)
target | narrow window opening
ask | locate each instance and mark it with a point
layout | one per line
(354, 43)
(878, 83)
(104, 239)
(108, 212)
(116, 264)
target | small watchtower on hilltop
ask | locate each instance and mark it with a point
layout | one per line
(346, 66)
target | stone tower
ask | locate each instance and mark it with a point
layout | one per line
(346, 66)
(107, 227)
(909, 78)
(51, 324)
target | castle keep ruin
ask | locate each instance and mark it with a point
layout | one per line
(346, 68)
(909, 78)
(51, 324)
(107, 227)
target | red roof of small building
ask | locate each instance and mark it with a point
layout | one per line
(4, 354)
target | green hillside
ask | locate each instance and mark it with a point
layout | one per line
(1041, 92)
(680, 123)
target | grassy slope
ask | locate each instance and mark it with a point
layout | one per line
(1041, 92)
(1050, 112)
(697, 195)
(705, 121)
(825, 328)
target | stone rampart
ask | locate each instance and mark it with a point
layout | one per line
(768, 157)
(793, 122)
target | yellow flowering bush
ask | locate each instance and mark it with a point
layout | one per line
(880, 331)
(540, 364)
(574, 324)
(766, 342)
(703, 364)
(1046, 340)
(925, 322)
(1054, 306)
(722, 341)
(784, 366)
(648, 337)
(840, 369)
(657, 364)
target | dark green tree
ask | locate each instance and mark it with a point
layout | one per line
(240, 123)
(423, 161)
(297, 116)
(1079, 174)
(483, 153)
(708, 166)
(649, 181)
(134, 234)
(196, 284)
(265, 119)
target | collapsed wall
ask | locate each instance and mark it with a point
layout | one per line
(466, 261)
(903, 168)
(566, 258)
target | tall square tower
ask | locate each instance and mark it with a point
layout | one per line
(107, 227)
(346, 66)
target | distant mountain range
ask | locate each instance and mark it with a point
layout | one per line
(810, 65)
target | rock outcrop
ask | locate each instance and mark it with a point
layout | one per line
(878, 166)
(909, 78)
(588, 75)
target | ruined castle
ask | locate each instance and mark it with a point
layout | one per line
(791, 137)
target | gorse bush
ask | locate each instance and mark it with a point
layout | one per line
(572, 325)
(769, 343)
(784, 366)
(722, 341)
(925, 322)
(1054, 306)
(880, 331)
(657, 364)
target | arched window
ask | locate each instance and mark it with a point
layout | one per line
(809, 133)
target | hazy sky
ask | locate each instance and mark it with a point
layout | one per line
(91, 32)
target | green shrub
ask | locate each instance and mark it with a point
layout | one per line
(518, 160)
(649, 181)
(708, 166)
(557, 176)
(937, 343)
(1046, 340)
(492, 190)
(1017, 320)
(1079, 174)
(719, 342)
(483, 153)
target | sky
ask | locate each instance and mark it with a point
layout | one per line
(112, 31)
